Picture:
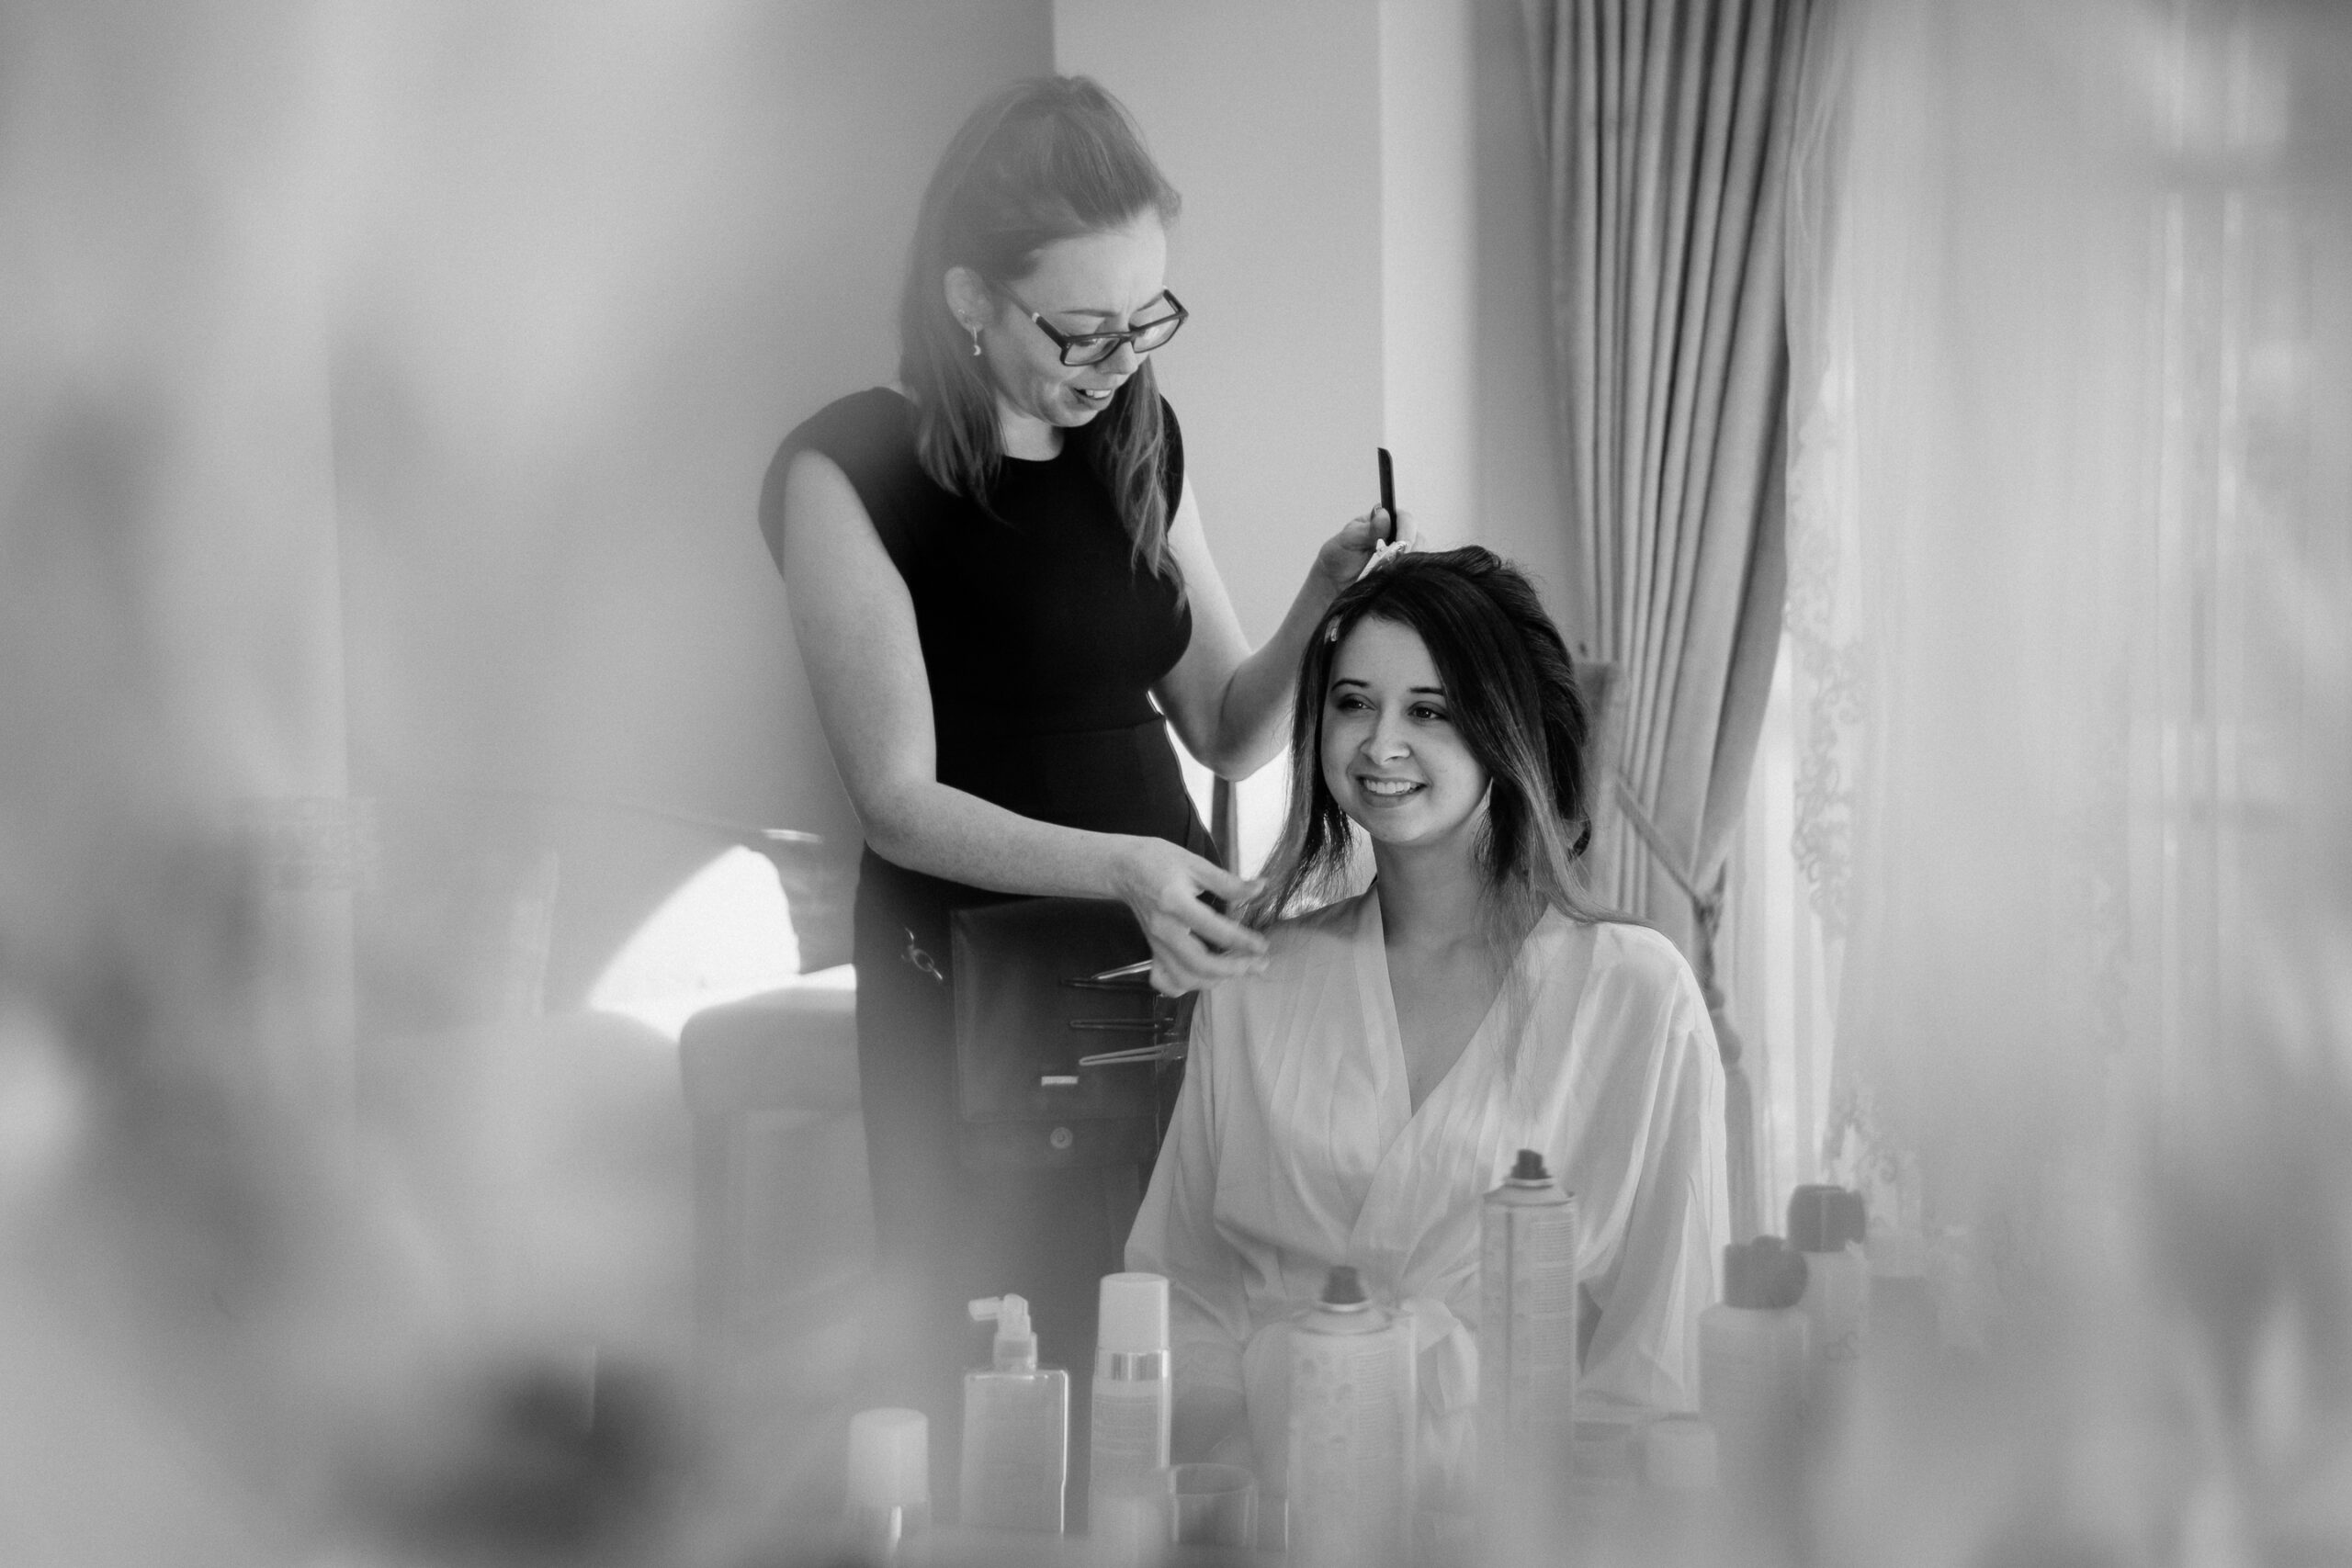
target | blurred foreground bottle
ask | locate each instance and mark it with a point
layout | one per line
(1132, 1407)
(1828, 1224)
(1354, 1418)
(1753, 1350)
(1016, 1429)
(890, 1486)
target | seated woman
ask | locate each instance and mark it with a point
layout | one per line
(1353, 1103)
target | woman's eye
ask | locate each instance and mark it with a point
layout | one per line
(1423, 710)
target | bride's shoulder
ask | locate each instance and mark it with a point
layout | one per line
(1316, 931)
(1639, 958)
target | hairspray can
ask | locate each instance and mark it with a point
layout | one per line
(1527, 1349)
(1355, 1417)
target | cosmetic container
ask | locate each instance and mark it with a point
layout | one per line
(890, 1487)
(1527, 1316)
(1130, 1410)
(1355, 1417)
(1828, 1224)
(1016, 1429)
(1753, 1350)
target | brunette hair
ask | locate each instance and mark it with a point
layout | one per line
(1510, 694)
(1042, 161)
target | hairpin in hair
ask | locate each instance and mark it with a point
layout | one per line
(1382, 554)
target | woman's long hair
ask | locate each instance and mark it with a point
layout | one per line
(1042, 161)
(1511, 695)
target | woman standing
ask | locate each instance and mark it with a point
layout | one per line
(1004, 600)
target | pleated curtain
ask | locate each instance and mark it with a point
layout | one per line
(1664, 128)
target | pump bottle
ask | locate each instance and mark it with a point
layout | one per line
(1133, 1402)
(1016, 1429)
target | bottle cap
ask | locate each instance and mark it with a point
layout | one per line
(1530, 1167)
(1133, 1316)
(1678, 1453)
(1764, 1275)
(1343, 1287)
(1017, 1344)
(889, 1460)
(1823, 1219)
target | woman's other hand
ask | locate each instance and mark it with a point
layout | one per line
(1193, 945)
(1346, 553)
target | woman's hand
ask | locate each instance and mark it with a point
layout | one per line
(1192, 944)
(1346, 553)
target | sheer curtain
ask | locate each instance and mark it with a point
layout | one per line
(2065, 759)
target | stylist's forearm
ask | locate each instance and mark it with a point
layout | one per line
(945, 832)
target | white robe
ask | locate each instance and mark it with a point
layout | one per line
(1294, 1147)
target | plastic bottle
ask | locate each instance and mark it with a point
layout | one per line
(1355, 1417)
(1752, 1352)
(890, 1485)
(1132, 1402)
(1829, 1224)
(1016, 1429)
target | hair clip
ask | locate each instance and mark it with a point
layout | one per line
(1382, 554)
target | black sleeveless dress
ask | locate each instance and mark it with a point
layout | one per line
(1041, 642)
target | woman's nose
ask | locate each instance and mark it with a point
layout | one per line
(1123, 359)
(1387, 737)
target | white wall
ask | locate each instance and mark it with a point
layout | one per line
(1430, 258)
(1522, 503)
(1267, 118)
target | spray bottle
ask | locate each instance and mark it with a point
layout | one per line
(1527, 1356)
(1527, 1319)
(1133, 1400)
(1016, 1429)
(1354, 1418)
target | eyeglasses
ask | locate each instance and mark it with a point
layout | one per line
(1093, 348)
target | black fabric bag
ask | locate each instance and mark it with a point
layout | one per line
(1040, 984)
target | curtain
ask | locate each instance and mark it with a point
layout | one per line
(2069, 731)
(1664, 127)
(1792, 908)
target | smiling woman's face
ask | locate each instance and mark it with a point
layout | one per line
(1391, 756)
(1102, 282)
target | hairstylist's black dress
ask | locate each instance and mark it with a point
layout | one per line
(1041, 642)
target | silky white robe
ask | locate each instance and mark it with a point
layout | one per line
(1294, 1147)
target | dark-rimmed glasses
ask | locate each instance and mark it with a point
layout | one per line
(1093, 348)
